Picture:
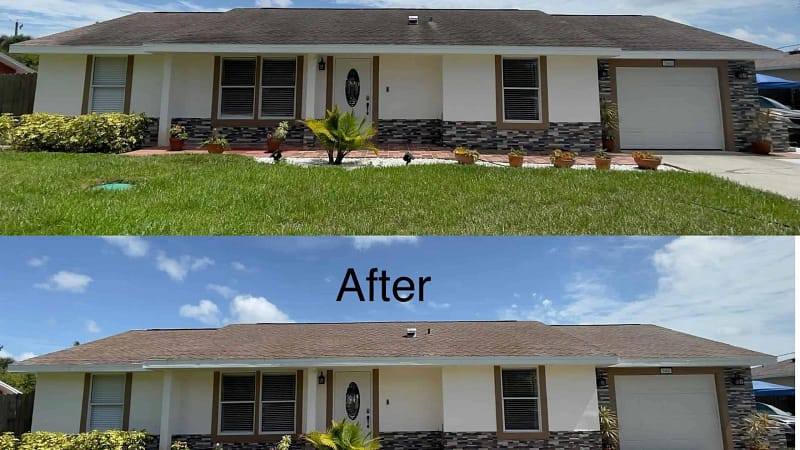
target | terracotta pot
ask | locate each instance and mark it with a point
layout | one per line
(515, 160)
(215, 148)
(175, 144)
(602, 164)
(608, 144)
(563, 163)
(465, 159)
(649, 164)
(273, 145)
(761, 147)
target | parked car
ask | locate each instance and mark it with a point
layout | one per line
(783, 112)
(781, 418)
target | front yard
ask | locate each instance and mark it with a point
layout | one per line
(51, 193)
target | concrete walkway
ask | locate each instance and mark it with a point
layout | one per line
(779, 173)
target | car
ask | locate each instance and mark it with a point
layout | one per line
(782, 418)
(783, 113)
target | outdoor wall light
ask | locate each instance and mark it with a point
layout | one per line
(321, 63)
(741, 74)
(321, 378)
(737, 380)
(602, 380)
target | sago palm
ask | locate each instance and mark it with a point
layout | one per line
(341, 133)
(343, 435)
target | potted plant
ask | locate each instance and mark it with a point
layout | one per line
(609, 121)
(177, 135)
(465, 156)
(602, 161)
(275, 138)
(609, 430)
(216, 143)
(761, 140)
(646, 160)
(562, 159)
(756, 428)
(516, 157)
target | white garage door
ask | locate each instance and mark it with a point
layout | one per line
(669, 108)
(668, 412)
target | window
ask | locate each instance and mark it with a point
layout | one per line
(106, 402)
(520, 390)
(521, 99)
(277, 403)
(278, 88)
(109, 74)
(237, 87)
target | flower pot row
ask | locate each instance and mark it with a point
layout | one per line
(217, 143)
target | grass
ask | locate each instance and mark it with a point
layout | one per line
(50, 193)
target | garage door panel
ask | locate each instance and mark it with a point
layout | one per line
(677, 412)
(675, 108)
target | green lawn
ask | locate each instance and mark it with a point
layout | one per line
(48, 193)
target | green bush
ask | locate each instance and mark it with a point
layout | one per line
(89, 133)
(6, 124)
(95, 440)
(8, 441)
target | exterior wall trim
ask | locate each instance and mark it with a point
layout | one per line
(329, 83)
(543, 114)
(498, 398)
(376, 402)
(328, 398)
(87, 382)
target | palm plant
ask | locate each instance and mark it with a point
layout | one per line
(341, 133)
(756, 427)
(609, 430)
(343, 435)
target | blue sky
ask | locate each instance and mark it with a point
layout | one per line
(769, 22)
(58, 289)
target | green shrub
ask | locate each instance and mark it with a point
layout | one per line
(8, 441)
(6, 124)
(88, 133)
(94, 440)
(43, 440)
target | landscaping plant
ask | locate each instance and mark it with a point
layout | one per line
(179, 445)
(646, 159)
(8, 441)
(216, 143)
(602, 160)
(609, 430)
(561, 158)
(87, 133)
(609, 121)
(465, 156)
(516, 157)
(756, 428)
(340, 133)
(761, 132)
(6, 125)
(275, 138)
(343, 435)
(177, 134)
(94, 440)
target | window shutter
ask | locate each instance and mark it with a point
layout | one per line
(278, 394)
(106, 417)
(109, 71)
(520, 400)
(278, 78)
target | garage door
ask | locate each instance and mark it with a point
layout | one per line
(675, 412)
(669, 108)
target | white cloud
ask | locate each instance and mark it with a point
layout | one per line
(92, 327)
(21, 357)
(541, 310)
(132, 246)
(206, 312)
(242, 267)
(224, 291)
(367, 242)
(66, 281)
(179, 268)
(251, 309)
(38, 261)
(274, 3)
(768, 36)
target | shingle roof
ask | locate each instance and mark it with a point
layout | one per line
(787, 62)
(387, 339)
(779, 369)
(492, 27)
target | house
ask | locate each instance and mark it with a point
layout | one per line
(781, 372)
(11, 65)
(788, 68)
(491, 79)
(416, 385)
(7, 389)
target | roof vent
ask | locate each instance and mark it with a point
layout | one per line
(413, 20)
(411, 332)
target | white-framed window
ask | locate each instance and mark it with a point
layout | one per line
(278, 89)
(237, 403)
(237, 88)
(521, 90)
(107, 88)
(278, 403)
(521, 407)
(106, 402)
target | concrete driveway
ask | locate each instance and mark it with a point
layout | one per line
(779, 174)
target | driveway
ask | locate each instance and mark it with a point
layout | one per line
(779, 174)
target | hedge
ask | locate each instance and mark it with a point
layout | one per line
(95, 440)
(88, 133)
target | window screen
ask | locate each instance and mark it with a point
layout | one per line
(520, 400)
(108, 84)
(521, 90)
(106, 402)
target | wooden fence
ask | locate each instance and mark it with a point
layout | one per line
(16, 413)
(17, 92)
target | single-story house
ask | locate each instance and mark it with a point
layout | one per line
(788, 68)
(489, 79)
(781, 372)
(416, 385)
(11, 65)
(7, 389)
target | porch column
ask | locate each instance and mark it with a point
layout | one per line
(164, 118)
(310, 406)
(165, 440)
(310, 86)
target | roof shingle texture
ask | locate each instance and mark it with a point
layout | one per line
(780, 369)
(387, 339)
(492, 27)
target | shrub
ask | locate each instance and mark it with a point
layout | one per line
(89, 133)
(8, 441)
(95, 440)
(43, 440)
(6, 124)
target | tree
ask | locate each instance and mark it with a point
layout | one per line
(31, 61)
(25, 382)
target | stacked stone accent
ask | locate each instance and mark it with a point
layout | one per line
(744, 102)
(409, 131)
(572, 136)
(557, 440)
(779, 135)
(151, 137)
(412, 440)
(603, 393)
(204, 442)
(604, 83)
(200, 129)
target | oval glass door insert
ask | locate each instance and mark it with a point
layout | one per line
(352, 88)
(352, 401)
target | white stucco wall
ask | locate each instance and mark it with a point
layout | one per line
(415, 87)
(146, 84)
(573, 93)
(415, 399)
(192, 392)
(59, 85)
(571, 398)
(468, 399)
(57, 407)
(146, 401)
(192, 84)
(468, 88)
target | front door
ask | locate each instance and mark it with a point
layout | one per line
(352, 398)
(352, 86)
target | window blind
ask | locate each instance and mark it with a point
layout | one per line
(278, 396)
(106, 402)
(237, 87)
(520, 400)
(278, 77)
(521, 89)
(237, 403)
(109, 75)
